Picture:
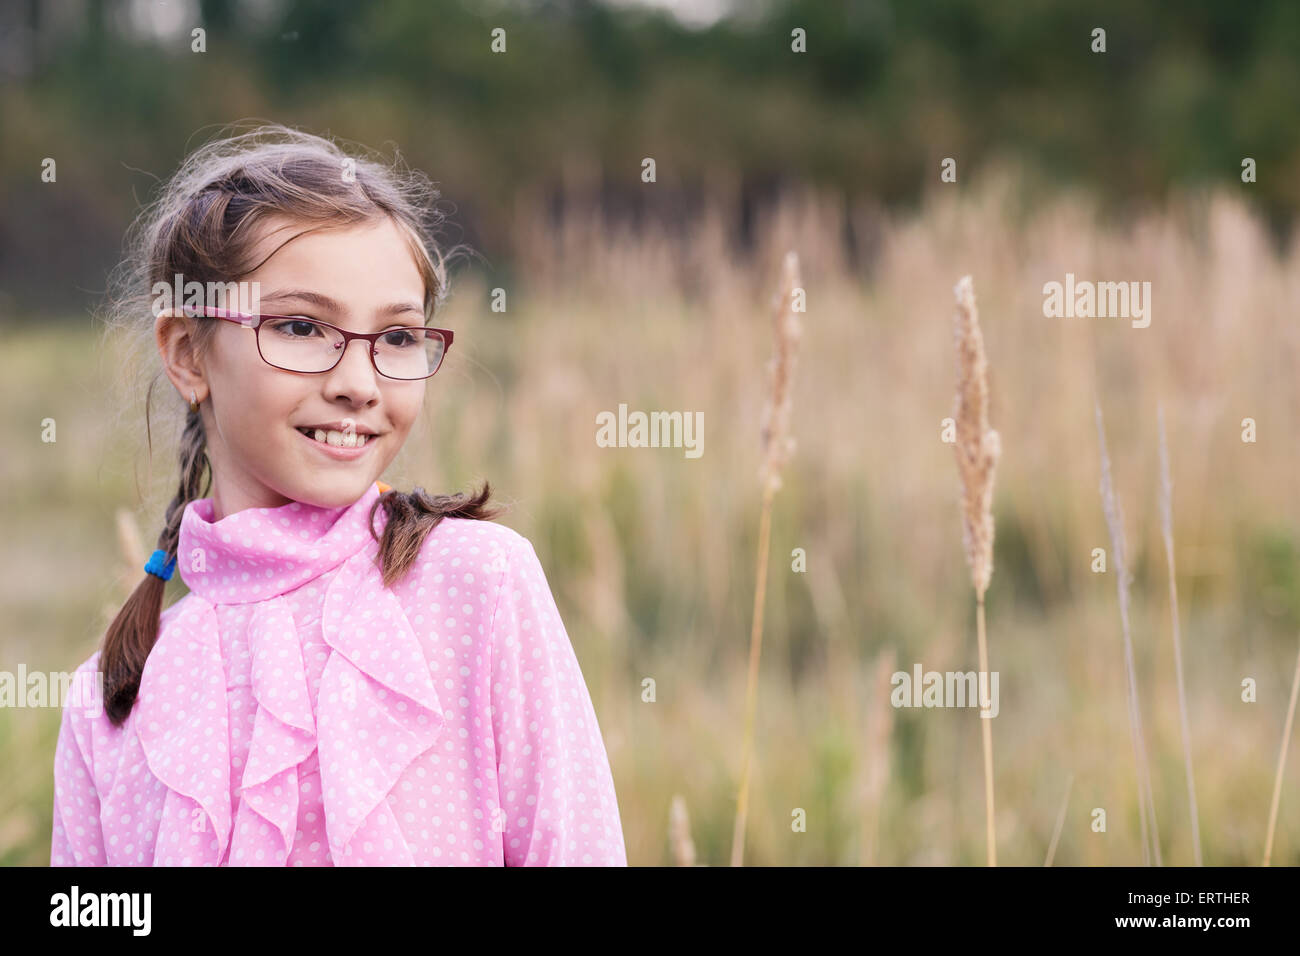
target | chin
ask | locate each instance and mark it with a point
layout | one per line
(337, 493)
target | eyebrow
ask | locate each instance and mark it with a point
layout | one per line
(325, 302)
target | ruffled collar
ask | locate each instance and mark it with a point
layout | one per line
(260, 553)
(376, 712)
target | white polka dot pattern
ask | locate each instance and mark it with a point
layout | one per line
(295, 712)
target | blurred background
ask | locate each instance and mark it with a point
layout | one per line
(1122, 165)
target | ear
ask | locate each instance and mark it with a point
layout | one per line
(174, 334)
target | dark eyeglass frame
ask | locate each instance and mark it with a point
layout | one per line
(255, 322)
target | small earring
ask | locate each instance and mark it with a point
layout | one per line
(194, 401)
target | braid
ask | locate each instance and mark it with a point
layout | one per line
(411, 516)
(134, 631)
(193, 458)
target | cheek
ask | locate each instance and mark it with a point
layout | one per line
(262, 400)
(404, 409)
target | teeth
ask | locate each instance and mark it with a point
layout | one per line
(337, 438)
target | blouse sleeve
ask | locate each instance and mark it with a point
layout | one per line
(554, 782)
(77, 839)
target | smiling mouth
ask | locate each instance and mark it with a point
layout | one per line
(337, 438)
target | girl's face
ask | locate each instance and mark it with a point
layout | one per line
(361, 278)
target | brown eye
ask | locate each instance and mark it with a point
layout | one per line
(296, 328)
(399, 338)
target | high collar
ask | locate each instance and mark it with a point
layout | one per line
(384, 705)
(261, 553)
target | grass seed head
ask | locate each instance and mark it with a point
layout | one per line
(978, 447)
(778, 443)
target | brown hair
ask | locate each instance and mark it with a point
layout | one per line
(201, 226)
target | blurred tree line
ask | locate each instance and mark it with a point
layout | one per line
(887, 88)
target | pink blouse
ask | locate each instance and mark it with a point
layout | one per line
(295, 712)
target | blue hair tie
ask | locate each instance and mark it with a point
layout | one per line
(156, 566)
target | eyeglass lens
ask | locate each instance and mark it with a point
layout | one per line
(300, 345)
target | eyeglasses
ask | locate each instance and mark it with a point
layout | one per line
(295, 344)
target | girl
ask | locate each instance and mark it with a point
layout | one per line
(358, 676)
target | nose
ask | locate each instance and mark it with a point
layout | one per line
(354, 380)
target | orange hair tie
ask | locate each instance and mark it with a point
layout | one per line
(383, 487)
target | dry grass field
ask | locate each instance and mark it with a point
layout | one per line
(651, 554)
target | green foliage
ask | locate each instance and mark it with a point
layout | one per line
(1270, 569)
(1182, 94)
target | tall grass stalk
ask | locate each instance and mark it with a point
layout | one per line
(1167, 526)
(679, 833)
(1281, 764)
(1114, 513)
(130, 568)
(777, 445)
(978, 449)
(876, 756)
(1060, 823)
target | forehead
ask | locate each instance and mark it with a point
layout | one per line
(351, 263)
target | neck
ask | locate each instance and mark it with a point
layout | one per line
(232, 497)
